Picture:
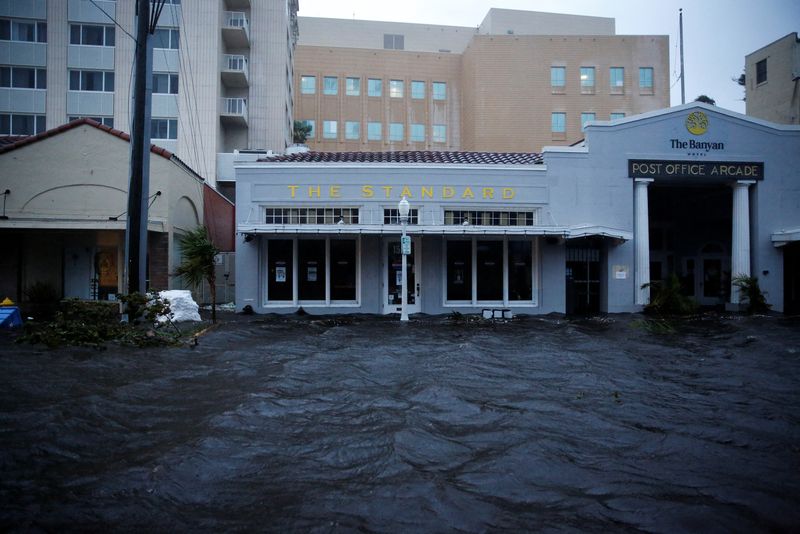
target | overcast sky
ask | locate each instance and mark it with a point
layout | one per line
(717, 33)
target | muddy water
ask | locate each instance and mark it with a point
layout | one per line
(365, 424)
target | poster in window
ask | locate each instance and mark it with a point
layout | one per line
(280, 274)
(459, 276)
(311, 275)
(398, 278)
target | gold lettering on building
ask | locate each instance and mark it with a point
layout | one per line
(468, 193)
(406, 192)
(366, 191)
(426, 192)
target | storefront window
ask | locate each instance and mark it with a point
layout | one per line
(279, 260)
(343, 269)
(311, 275)
(459, 270)
(490, 270)
(519, 270)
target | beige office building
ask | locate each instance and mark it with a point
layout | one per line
(519, 81)
(222, 72)
(772, 81)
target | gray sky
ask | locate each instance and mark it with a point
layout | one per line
(717, 33)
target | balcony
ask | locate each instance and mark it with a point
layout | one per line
(234, 71)
(238, 4)
(236, 30)
(233, 111)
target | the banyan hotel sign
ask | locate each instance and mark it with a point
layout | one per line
(697, 123)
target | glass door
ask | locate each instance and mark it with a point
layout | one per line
(392, 281)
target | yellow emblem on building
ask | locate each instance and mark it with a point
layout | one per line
(697, 123)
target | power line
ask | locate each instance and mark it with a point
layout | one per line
(114, 21)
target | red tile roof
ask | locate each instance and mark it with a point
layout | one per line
(24, 141)
(417, 156)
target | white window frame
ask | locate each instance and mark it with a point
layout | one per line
(81, 26)
(352, 86)
(415, 137)
(308, 84)
(328, 302)
(396, 88)
(348, 134)
(439, 90)
(334, 86)
(505, 302)
(393, 127)
(330, 129)
(416, 87)
(434, 137)
(172, 124)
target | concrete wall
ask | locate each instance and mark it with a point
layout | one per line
(518, 22)
(778, 98)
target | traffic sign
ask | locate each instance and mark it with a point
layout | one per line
(405, 244)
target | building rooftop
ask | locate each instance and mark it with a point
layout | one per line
(416, 156)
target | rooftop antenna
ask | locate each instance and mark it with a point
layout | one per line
(683, 86)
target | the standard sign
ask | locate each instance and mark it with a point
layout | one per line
(647, 168)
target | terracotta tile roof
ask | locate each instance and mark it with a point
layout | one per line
(24, 141)
(418, 156)
(6, 140)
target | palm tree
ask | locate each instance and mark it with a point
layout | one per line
(197, 265)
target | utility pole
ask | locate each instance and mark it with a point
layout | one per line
(139, 185)
(683, 86)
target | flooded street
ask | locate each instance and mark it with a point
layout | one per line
(365, 424)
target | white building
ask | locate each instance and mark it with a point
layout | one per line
(222, 72)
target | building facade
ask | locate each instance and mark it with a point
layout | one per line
(519, 81)
(697, 191)
(66, 229)
(222, 71)
(772, 81)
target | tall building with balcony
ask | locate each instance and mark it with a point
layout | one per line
(518, 81)
(222, 72)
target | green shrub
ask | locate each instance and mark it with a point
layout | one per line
(666, 298)
(750, 293)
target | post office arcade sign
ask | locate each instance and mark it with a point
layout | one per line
(703, 170)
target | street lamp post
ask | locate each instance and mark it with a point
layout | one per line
(403, 208)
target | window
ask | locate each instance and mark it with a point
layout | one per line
(393, 41)
(646, 80)
(310, 215)
(21, 124)
(373, 131)
(329, 129)
(615, 116)
(164, 83)
(439, 133)
(417, 133)
(326, 268)
(374, 87)
(166, 38)
(617, 79)
(761, 71)
(392, 216)
(489, 218)
(312, 132)
(105, 121)
(439, 90)
(520, 267)
(395, 131)
(395, 88)
(23, 30)
(558, 78)
(486, 263)
(23, 77)
(308, 85)
(164, 128)
(330, 85)
(89, 34)
(417, 90)
(280, 271)
(352, 130)
(558, 122)
(587, 80)
(91, 80)
(586, 117)
(353, 86)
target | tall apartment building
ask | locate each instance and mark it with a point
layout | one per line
(519, 81)
(222, 71)
(772, 81)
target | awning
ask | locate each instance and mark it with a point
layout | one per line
(784, 237)
(414, 229)
(74, 224)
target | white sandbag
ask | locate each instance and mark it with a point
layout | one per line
(182, 306)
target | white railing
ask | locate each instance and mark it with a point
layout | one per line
(234, 106)
(237, 19)
(236, 62)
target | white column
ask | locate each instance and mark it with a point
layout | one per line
(641, 236)
(740, 242)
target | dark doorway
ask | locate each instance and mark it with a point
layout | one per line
(583, 277)
(791, 279)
